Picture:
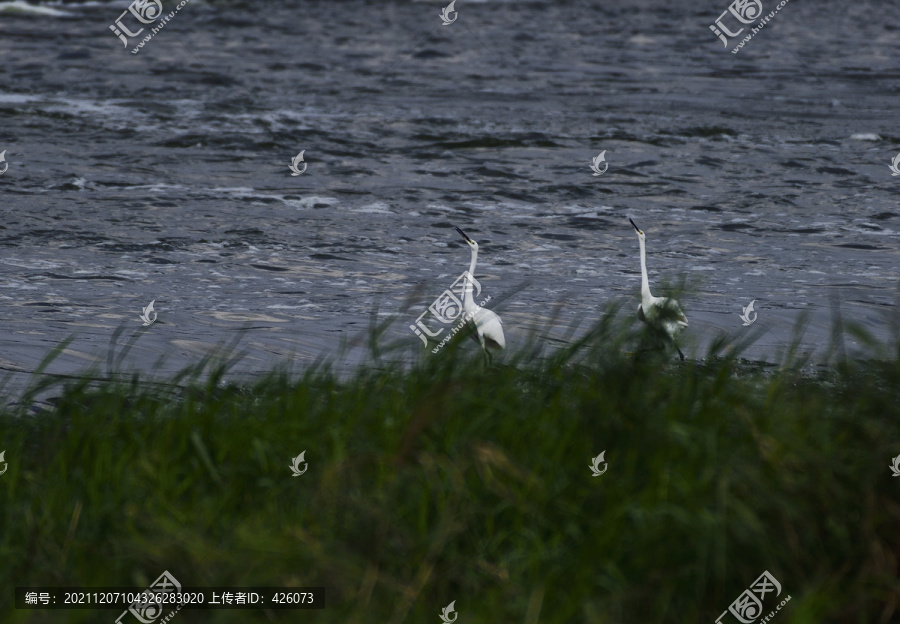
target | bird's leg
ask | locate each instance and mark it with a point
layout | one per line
(679, 352)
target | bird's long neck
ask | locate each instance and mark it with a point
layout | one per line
(645, 283)
(469, 301)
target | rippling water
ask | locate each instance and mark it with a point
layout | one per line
(163, 175)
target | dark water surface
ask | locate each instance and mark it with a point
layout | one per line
(163, 175)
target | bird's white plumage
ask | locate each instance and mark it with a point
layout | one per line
(659, 312)
(486, 325)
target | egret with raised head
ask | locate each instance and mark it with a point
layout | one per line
(487, 328)
(661, 313)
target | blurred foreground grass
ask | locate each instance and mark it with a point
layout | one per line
(447, 482)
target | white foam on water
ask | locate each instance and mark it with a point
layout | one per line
(865, 136)
(376, 207)
(23, 8)
(310, 201)
(30, 263)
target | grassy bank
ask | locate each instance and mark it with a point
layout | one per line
(445, 482)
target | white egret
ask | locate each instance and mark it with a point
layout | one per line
(660, 313)
(486, 325)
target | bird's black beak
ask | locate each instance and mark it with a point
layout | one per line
(463, 234)
(636, 228)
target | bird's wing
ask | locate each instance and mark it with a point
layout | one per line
(674, 310)
(672, 328)
(490, 327)
(640, 313)
(473, 331)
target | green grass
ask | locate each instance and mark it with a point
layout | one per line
(444, 481)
